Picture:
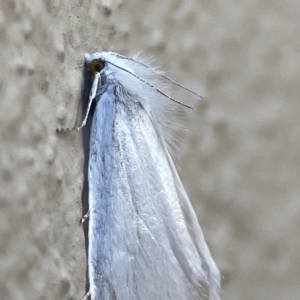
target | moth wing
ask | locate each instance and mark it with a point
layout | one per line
(140, 244)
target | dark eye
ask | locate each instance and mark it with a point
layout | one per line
(96, 65)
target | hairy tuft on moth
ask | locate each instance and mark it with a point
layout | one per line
(145, 241)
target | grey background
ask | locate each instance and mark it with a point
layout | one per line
(240, 159)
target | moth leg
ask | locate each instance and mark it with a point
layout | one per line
(91, 98)
(84, 217)
(86, 295)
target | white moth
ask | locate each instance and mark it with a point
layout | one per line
(145, 242)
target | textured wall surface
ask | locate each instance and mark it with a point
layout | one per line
(240, 159)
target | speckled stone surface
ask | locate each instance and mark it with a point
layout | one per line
(240, 159)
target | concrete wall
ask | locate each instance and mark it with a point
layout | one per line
(240, 159)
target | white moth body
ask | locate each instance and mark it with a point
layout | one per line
(145, 242)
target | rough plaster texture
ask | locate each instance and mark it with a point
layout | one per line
(240, 157)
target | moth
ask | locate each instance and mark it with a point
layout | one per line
(145, 241)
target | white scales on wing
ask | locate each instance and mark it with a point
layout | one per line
(145, 241)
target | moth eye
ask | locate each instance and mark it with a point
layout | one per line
(96, 65)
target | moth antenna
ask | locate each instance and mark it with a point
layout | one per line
(164, 76)
(151, 85)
